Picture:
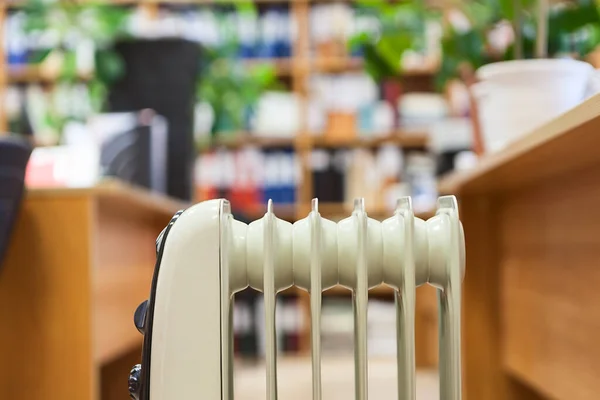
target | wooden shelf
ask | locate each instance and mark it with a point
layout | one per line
(34, 74)
(412, 140)
(80, 262)
(283, 211)
(118, 195)
(289, 211)
(337, 64)
(283, 66)
(237, 140)
(382, 291)
(242, 139)
(345, 209)
(343, 64)
(565, 144)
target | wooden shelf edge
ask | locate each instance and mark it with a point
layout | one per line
(400, 138)
(283, 66)
(350, 63)
(565, 144)
(113, 190)
(308, 140)
(35, 74)
(345, 209)
(242, 139)
(283, 211)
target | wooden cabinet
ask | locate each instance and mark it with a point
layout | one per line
(79, 264)
(532, 224)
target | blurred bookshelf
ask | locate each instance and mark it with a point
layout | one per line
(283, 67)
(298, 68)
(304, 63)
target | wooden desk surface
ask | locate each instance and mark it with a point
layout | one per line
(563, 145)
(116, 193)
(531, 221)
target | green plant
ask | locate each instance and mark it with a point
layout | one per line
(573, 29)
(72, 22)
(399, 27)
(230, 87)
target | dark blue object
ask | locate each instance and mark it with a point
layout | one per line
(247, 50)
(17, 60)
(14, 155)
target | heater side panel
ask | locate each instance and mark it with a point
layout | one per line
(186, 341)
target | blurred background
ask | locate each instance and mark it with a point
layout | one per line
(119, 112)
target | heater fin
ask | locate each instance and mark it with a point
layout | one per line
(404, 297)
(315, 297)
(269, 295)
(449, 297)
(360, 302)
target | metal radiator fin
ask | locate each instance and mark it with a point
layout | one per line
(360, 253)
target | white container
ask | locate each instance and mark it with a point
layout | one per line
(277, 115)
(515, 97)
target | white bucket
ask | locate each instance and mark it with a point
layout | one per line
(515, 97)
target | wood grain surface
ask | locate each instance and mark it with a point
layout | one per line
(550, 280)
(45, 302)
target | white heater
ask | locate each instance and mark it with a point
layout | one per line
(205, 256)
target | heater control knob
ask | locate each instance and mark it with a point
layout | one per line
(134, 382)
(139, 317)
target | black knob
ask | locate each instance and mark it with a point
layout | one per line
(139, 317)
(134, 382)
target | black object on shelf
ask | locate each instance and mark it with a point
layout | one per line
(133, 147)
(14, 155)
(328, 176)
(127, 156)
(445, 161)
(246, 336)
(161, 75)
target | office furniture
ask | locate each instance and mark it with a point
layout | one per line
(297, 70)
(80, 262)
(531, 304)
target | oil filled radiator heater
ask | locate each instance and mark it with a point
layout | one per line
(205, 256)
